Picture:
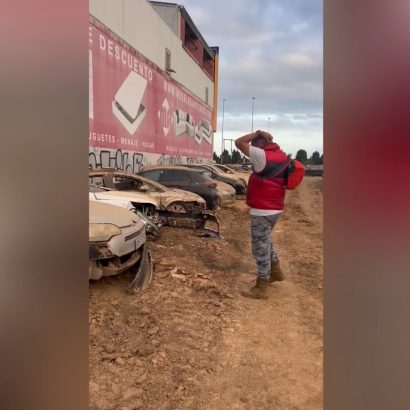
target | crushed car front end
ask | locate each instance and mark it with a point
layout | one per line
(114, 246)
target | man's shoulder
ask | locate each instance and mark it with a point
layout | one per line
(256, 150)
(257, 157)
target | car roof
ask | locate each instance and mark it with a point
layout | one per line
(110, 171)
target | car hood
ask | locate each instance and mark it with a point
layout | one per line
(180, 194)
(126, 196)
(236, 176)
(100, 213)
(117, 202)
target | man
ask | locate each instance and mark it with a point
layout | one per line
(265, 199)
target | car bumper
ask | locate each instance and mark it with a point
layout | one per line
(117, 255)
(112, 265)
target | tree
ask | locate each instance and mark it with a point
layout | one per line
(236, 157)
(301, 156)
(226, 157)
(315, 158)
(321, 159)
(216, 158)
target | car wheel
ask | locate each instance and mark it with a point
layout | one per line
(178, 207)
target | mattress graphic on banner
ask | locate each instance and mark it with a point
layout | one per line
(137, 107)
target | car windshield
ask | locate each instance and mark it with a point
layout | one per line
(226, 169)
(216, 169)
(205, 174)
(152, 183)
(135, 183)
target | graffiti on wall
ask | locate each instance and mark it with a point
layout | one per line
(193, 161)
(118, 160)
(169, 160)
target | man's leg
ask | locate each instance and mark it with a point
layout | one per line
(260, 232)
(261, 227)
(275, 270)
(273, 219)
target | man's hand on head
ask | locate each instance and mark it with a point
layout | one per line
(265, 135)
(243, 142)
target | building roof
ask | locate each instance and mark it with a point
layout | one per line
(191, 24)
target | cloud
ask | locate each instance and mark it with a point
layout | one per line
(270, 50)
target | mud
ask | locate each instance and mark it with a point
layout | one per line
(191, 341)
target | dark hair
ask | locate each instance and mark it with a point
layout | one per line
(259, 142)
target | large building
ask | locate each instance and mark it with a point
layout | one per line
(152, 87)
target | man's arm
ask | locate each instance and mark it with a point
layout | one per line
(243, 142)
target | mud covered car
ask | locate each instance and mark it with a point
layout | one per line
(186, 179)
(116, 239)
(244, 176)
(217, 174)
(170, 199)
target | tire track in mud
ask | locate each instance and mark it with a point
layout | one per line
(271, 358)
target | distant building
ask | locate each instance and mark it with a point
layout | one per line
(153, 86)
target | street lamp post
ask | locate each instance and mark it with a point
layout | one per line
(253, 100)
(268, 123)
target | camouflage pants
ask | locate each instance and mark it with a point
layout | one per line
(262, 248)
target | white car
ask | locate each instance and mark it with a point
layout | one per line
(116, 239)
(139, 201)
(144, 206)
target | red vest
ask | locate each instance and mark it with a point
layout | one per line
(265, 192)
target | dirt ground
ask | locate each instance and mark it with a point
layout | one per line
(191, 341)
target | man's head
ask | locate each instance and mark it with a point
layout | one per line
(261, 140)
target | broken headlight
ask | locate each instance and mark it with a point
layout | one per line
(102, 232)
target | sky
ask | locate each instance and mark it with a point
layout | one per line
(271, 50)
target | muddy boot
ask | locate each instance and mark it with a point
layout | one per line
(257, 291)
(276, 274)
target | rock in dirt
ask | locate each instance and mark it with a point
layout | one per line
(178, 276)
(109, 349)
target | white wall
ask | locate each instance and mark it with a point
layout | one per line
(139, 25)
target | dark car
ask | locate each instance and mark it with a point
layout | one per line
(184, 178)
(239, 185)
(314, 170)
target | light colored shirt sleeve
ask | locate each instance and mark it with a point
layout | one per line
(257, 157)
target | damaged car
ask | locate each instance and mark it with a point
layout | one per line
(243, 176)
(170, 199)
(145, 207)
(176, 215)
(186, 179)
(116, 243)
(238, 184)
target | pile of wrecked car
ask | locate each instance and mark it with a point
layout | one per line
(128, 209)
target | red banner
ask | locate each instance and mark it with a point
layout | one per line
(135, 106)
